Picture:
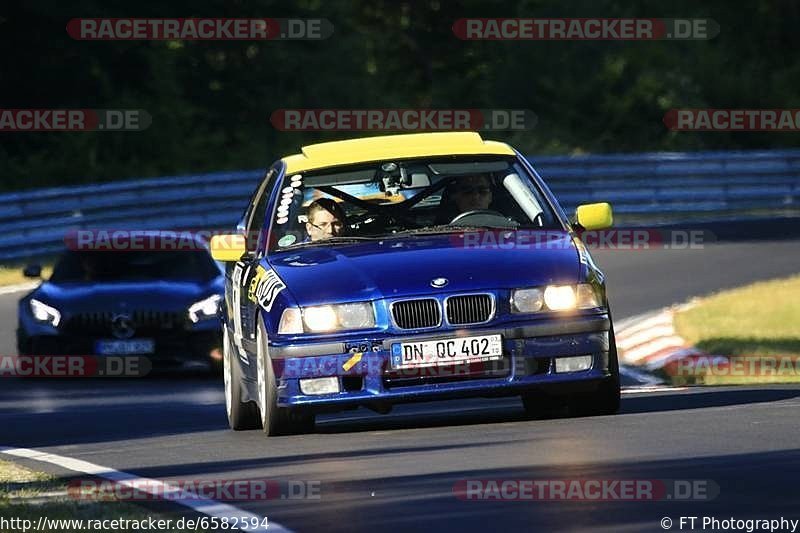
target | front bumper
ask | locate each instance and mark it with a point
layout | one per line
(529, 352)
(173, 349)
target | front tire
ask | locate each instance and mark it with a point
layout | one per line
(606, 399)
(275, 420)
(241, 415)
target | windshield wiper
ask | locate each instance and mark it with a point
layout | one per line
(442, 230)
(328, 242)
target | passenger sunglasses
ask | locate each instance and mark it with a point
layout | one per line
(325, 225)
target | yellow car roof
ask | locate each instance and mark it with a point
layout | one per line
(368, 149)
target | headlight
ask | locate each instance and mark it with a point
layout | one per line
(291, 322)
(527, 300)
(587, 297)
(355, 316)
(206, 308)
(555, 298)
(321, 318)
(324, 318)
(44, 313)
(560, 297)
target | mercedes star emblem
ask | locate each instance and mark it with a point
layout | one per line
(122, 326)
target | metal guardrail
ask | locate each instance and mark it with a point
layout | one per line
(670, 185)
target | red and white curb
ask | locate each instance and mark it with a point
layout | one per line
(649, 341)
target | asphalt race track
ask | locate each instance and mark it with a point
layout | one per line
(397, 472)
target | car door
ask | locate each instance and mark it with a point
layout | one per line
(244, 271)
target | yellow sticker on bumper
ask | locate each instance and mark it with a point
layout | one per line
(350, 363)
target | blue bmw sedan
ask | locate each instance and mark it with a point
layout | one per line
(403, 268)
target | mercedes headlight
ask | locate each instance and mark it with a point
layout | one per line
(327, 318)
(555, 298)
(45, 313)
(204, 309)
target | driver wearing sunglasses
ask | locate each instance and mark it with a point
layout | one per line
(472, 193)
(326, 219)
(469, 193)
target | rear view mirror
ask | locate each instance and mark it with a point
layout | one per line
(32, 271)
(594, 216)
(417, 180)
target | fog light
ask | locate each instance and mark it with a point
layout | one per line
(573, 364)
(319, 385)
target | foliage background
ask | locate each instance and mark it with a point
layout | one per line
(211, 101)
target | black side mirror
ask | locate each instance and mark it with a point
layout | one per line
(32, 271)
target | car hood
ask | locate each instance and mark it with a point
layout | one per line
(397, 267)
(156, 295)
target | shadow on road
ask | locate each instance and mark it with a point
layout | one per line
(707, 397)
(70, 414)
(743, 486)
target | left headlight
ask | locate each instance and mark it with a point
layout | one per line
(327, 318)
(555, 298)
(206, 308)
(45, 313)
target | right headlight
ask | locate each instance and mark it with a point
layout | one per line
(205, 308)
(555, 298)
(327, 318)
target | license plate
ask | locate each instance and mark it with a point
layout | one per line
(130, 346)
(447, 351)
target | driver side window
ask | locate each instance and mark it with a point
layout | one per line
(258, 213)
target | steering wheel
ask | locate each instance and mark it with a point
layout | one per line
(479, 212)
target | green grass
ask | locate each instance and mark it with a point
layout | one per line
(12, 274)
(27, 495)
(761, 320)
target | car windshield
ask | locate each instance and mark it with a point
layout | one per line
(106, 266)
(409, 197)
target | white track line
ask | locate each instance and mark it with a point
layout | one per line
(634, 390)
(642, 377)
(11, 289)
(151, 486)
